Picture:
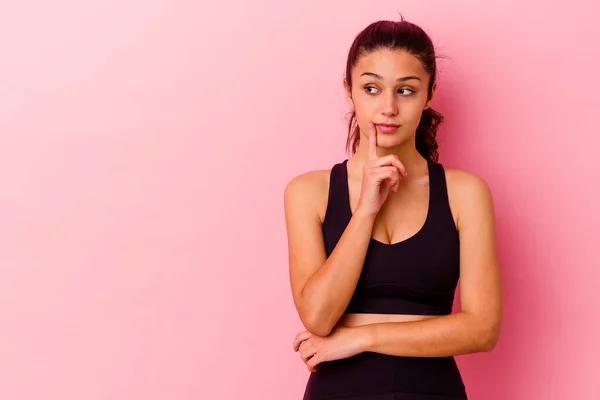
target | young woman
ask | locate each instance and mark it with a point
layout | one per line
(378, 243)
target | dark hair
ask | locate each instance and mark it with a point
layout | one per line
(401, 35)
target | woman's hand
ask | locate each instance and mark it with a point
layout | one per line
(342, 342)
(380, 175)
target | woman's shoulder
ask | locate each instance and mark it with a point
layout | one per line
(465, 181)
(467, 191)
(309, 188)
(463, 177)
(313, 180)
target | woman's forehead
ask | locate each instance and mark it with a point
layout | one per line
(389, 64)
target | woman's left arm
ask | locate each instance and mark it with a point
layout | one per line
(476, 327)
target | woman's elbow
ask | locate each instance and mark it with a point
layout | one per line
(317, 325)
(489, 337)
(489, 344)
(319, 328)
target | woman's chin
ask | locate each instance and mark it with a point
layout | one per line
(391, 141)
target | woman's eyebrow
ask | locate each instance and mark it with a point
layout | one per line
(401, 79)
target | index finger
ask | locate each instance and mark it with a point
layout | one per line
(372, 141)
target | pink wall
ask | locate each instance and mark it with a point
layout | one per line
(144, 148)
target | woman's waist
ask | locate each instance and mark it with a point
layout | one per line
(368, 373)
(359, 319)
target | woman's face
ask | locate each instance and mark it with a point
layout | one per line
(389, 87)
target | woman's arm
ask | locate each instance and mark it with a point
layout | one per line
(321, 287)
(477, 326)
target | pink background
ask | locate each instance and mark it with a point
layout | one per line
(144, 148)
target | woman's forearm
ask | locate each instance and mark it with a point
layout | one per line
(328, 292)
(449, 335)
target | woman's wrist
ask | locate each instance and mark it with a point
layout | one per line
(365, 216)
(365, 337)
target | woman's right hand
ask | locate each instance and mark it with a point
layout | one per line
(380, 175)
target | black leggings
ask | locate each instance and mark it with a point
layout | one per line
(374, 376)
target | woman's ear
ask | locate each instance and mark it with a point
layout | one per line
(348, 91)
(428, 103)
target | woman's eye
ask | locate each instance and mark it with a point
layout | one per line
(373, 90)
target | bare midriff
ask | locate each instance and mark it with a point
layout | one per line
(351, 320)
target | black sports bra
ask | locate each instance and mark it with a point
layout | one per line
(418, 275)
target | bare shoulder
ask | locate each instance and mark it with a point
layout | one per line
(468, 193)
(308, 190)
(464, 182)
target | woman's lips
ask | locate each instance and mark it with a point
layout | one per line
(387, 128)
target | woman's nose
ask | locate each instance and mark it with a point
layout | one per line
(389, 106)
